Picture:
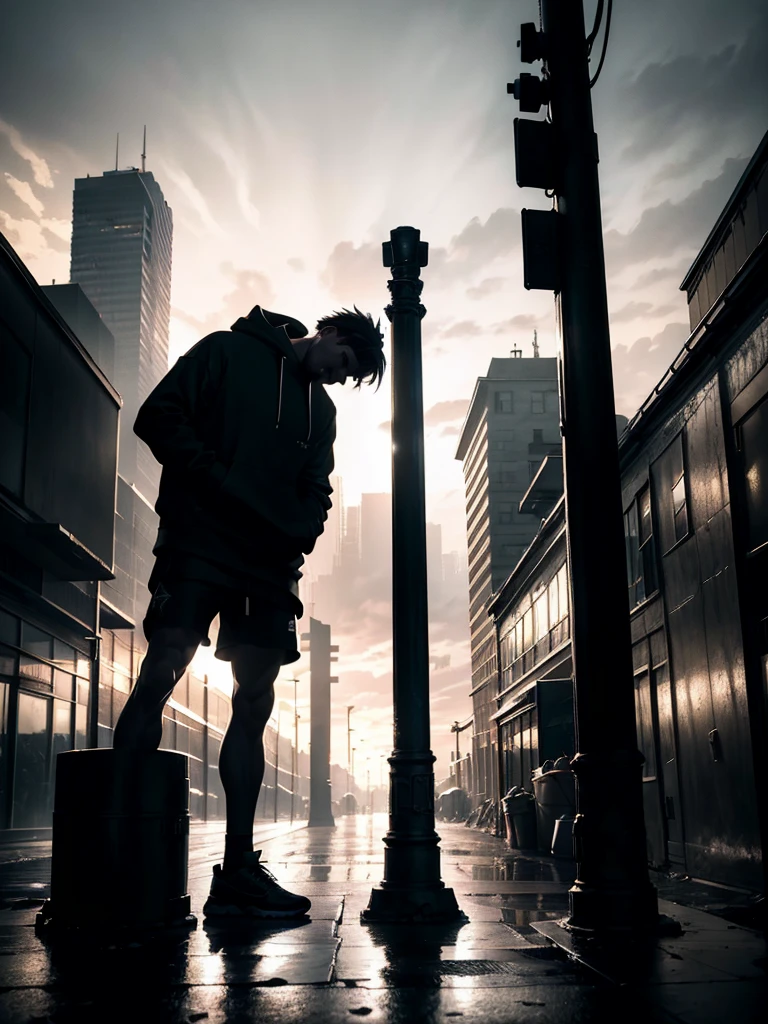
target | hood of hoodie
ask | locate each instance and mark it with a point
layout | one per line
(278, 330)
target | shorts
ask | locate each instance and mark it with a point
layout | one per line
(194, 604)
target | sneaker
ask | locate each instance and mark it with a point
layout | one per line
(252, 891)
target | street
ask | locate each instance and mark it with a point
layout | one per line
(329, 968)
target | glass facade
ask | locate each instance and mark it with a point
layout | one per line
(122, 236)
(44, 694)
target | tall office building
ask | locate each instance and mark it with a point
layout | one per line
(122, 235)
(513, 421)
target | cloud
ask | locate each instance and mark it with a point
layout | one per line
(637, 368)
(696, 91)
(40, 169)
(462, 329)
(450, 431)
(357, 270)
(249, 288)
(659, 274)
(523, 321)
(488, 286)
(386, 426)
(636, 310)
(60, 228)
(669, 228)
(193, 196)
(23, 191)
(446, 412)
(28, 236)
(296, 264)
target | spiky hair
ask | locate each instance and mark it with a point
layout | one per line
(358, 330)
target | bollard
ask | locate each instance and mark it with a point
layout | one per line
(120, 841)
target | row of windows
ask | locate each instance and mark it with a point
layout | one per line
(549, 608)
(641, 546)
(540, 402)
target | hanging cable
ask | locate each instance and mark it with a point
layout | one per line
(605, 43)
(596, 27)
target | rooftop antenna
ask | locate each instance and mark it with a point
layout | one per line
(117, 149)
(144, 152)
(535, 344)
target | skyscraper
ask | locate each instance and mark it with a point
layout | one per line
(513, 421)
(121, 257)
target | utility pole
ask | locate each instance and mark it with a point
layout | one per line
(321, 654)
(563, 252)
(412, 890)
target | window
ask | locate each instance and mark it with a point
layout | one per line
(540, 617)
(528, 629)
(680, 508)
(751, 435)
(502, 401)
(671, 494)
(554, 602)
(505, 512)
(537, 401)
(640, 548)
(538, 436)
(15, 374)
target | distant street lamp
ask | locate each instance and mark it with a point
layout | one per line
(295, 756)
(277, 755)
(350, 709)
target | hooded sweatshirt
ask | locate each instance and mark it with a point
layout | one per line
(245, 440)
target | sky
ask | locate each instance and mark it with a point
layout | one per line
(291, 136)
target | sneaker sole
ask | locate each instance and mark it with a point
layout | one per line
(216, 909)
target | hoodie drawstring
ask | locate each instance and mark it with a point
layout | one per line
(280, 392)
(280, 403)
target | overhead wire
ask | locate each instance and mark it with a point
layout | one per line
(605, 37)
(596, 27)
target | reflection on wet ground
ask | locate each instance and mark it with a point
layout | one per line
(327, 967)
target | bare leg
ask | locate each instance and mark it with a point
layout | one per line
(140, 725)
(241, 760)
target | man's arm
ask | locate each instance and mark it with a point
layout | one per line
(166, 419)
(314, 485)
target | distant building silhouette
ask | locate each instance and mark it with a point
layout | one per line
(122, 235)
(512, 423)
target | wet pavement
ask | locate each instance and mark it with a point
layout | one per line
(495, 967)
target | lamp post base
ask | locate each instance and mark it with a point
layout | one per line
(612, 910)
(434, 904)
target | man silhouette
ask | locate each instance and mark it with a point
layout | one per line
(244, 430)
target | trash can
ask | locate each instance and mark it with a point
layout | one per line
(555, 797)
(562, 839)
(522, 813)
(120, 840)
(508, 820)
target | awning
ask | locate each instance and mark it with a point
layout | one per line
(111, 617)
(53, 548)
(546, 488)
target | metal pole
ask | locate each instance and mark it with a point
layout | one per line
(320, 807)
(295, 752)
(277, 755)
(350, 709)
(95, 674)
(612, 891)
(412, 890)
